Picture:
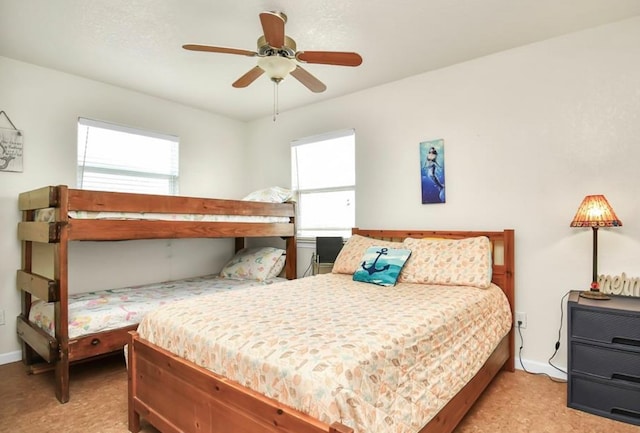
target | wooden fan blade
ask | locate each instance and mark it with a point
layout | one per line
(248, 78)
(212, 49)
(311, 82)
(273, 28)
(339, 58)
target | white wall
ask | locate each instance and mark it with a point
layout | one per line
(528, 133)
(46, 105)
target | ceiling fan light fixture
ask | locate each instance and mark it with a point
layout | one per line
(279, 57)
(276, 67)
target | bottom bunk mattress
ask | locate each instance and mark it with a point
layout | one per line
(105, 310)
(378, 359)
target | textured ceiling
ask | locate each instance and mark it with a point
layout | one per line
(136, 44)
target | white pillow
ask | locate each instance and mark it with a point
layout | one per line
(274, 194)
(254, 264)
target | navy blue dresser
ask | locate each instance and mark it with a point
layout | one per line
(604, 357)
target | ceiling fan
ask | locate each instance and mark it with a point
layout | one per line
(278, 56)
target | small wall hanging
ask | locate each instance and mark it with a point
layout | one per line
(432, 171)
(11, 145)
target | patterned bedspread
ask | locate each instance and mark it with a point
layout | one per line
(379, 359)
(116, 308)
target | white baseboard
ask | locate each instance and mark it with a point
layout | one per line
(7, 358)
(539, 367)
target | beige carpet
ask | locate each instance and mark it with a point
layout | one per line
(513, 403)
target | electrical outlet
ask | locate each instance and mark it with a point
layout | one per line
(522, 319)
(1, 317)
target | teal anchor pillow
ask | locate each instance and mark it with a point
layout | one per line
(381, 265)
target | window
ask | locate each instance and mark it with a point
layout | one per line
(118, 158)
(323, 171)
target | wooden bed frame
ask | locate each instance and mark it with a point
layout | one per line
(175, 395)
(60, 351)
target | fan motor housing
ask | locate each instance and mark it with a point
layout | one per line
(287, 50)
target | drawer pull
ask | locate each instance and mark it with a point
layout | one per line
(627, 341)
(95, 341)
(626, 377)
(625, 412)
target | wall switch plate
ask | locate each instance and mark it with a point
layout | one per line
(522, 318)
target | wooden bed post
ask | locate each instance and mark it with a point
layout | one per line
(134, 417)
(239, 244)
(509, 262)
(61, 274)
(291, 266)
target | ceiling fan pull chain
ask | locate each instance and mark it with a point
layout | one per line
(276, 109)
(277, 98)
(275, 101)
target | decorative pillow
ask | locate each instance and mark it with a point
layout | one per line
(274, 194)
(381, 265)
(454, 262)
(252, 264)
(350, 256)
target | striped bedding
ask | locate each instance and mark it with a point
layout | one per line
(117, 308)
(378, 359)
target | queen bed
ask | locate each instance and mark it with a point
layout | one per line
(330, 354)
(58, 215)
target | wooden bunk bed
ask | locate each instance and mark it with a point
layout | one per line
(61, 202)
(176, 395)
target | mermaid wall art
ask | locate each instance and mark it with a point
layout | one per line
(432, 171)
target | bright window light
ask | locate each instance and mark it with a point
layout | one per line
(118, 158)
(324, 178)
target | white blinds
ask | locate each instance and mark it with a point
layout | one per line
(118, 158)
(323, 176)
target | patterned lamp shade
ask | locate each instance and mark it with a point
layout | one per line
(595, 211)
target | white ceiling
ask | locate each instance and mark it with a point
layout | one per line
(136, 44)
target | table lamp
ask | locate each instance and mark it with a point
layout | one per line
(595, 212)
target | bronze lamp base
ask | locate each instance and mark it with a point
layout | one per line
(594, 294)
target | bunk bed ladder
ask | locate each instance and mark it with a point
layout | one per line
(53, 350)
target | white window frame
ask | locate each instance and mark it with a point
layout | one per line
(310, 233)
(161, 180)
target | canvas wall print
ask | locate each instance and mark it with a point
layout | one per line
(432, 171)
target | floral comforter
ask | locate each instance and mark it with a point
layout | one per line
(379, 359)
(116, 308)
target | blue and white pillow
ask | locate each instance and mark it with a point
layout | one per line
(381, 265)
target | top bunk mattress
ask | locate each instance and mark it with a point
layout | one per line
(378, 359)
(48, 215)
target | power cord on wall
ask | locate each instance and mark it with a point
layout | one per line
(556, 347)
(311, 262)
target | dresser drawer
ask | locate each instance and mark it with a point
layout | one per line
(613, 400)
(608, 362)
(606, 326)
